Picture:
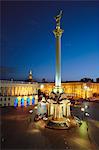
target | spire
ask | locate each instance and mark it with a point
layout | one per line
(30, 75)
(30, 72)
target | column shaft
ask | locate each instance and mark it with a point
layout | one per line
(58, 61)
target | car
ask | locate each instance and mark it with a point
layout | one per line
(78, 120)
(45, 118)
(87, 114)
(35, 107)
(31, 111)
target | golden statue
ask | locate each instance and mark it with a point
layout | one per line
(57, 18)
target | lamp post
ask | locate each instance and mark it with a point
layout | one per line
(86, 88)
(82, 110)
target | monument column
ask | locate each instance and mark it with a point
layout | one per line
(58, 33)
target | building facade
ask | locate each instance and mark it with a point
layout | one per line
(75, 89)
(18, 93)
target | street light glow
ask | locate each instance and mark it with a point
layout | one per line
(86, 106)
(42, 86)
(82, 109)
(85, 87)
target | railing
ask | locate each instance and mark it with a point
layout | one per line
(21, 82)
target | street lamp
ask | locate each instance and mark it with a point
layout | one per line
(86, 106)
(86, 88)
(41, 86)
(83, 110)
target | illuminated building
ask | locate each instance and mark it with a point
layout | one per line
(75, 89)
(30, 78)
(11, 90)
(18, 93)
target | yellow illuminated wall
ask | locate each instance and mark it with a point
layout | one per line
(8, 88)
(74, 89)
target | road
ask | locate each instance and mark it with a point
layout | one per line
(19, 131)
(92, 121)
(93, 127)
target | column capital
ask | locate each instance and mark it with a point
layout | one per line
(58, 32)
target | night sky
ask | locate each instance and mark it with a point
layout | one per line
(27, 40)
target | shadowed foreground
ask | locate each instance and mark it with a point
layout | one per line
(19, 131)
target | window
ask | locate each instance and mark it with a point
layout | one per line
(9, 98)
(1, 99)
(4, 104)
(8, 104)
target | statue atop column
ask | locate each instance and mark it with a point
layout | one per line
(57, 18)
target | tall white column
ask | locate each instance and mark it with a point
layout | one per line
(58, 62)
(58, 33)
(51, 109)
(68, 109)
(55, 111)
(64, 109)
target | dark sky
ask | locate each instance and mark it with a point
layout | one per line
(27, 40)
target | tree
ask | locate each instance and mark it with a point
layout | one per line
(86, 80)
(43, 80)
(97, 80)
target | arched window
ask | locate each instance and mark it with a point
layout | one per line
(8, 104)
(22, 101)
(16, 102)
(33, 101)
(28, 101)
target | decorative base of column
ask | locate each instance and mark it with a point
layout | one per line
(58, 90)
(65, 123)
(57, 124)
(58, 119)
